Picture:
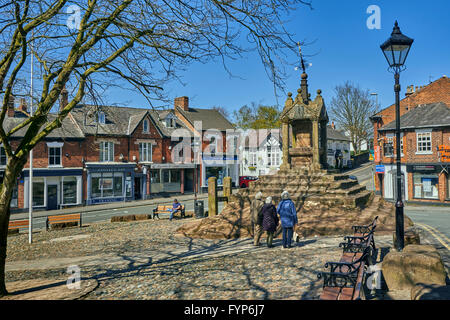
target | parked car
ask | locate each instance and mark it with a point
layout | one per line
(244, 180)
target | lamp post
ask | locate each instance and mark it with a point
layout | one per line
(396, 49)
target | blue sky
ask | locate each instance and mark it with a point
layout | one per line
(344, 48)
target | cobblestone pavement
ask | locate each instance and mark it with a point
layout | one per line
(145, 260)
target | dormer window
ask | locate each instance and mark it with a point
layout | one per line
(101, 118)
(145, 126)
(170, 123)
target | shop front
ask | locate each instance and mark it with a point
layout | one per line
(171, 178)
(53, 188)
(110, 182)
(220, 167)
(429, 182)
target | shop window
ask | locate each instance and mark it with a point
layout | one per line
(38, 193)
(3, 158)
(174, 175)
(107, 185)
(145, 151)
(423, 142)
(426, 186)
(154, 176)
(128, 185)
(165, 176)
(218, 172)
(54, 156)
(106, 151)
(69, 187)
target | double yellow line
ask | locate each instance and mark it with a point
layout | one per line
(437, 234)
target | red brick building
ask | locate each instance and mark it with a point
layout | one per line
(216, 138)
(425, 125)
(101, 154)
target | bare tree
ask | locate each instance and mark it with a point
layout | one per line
(350, 108)
(140, 44)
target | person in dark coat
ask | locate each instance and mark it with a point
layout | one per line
(269, 220)
(288, 217)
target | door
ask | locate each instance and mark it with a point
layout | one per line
(137, 188)
(52, 197)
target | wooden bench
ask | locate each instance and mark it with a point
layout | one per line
(18, 224)
(166, 209)
(73, 217)
(345, 278)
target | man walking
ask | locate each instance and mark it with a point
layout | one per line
(255, 212)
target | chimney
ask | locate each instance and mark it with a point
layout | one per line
(409, 90)
(332, 125)
(23, 105)
(182, 102)
(11, 106)
(63, 98)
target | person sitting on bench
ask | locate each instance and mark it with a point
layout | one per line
(175, 208)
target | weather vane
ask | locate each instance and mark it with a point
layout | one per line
(302, 62)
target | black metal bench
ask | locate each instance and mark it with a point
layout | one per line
(344, 279)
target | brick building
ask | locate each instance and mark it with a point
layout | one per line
(425, 125)
(218, 155)
(100, 154)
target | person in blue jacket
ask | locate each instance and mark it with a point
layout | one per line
(288, 218)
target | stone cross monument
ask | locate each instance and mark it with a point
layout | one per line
(304, 128)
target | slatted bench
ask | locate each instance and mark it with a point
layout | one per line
(18, 224)
(73, 217)
(166, 209)
(345, 278)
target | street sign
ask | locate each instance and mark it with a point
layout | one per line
(444, 153)
(379, 169)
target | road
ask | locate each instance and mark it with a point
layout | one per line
(106, 214)
(364, 175)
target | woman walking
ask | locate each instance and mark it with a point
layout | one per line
(288, 217)
(270, 220)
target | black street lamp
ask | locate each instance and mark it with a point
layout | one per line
(396, 49)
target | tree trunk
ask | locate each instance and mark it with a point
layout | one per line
(13, 168)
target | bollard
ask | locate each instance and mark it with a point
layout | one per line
(212, 197)
(227, 187)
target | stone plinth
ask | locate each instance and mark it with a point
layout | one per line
(415, 264)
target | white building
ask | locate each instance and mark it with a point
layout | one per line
(261, 152)
(337, 140)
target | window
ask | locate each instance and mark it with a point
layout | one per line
(54, 156)
(154, 176)
(170, 122)
(15, 196)
(3, 158)
(145, 126)
(212, 145)
(145, 151)
(273, 154)
(38, 193)
(389, 147)
(174, 176)
(106, 151)
(108, 184)
(252, 159)
(101, 118)
(426, 186)
(423, 142)
(69, 187)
